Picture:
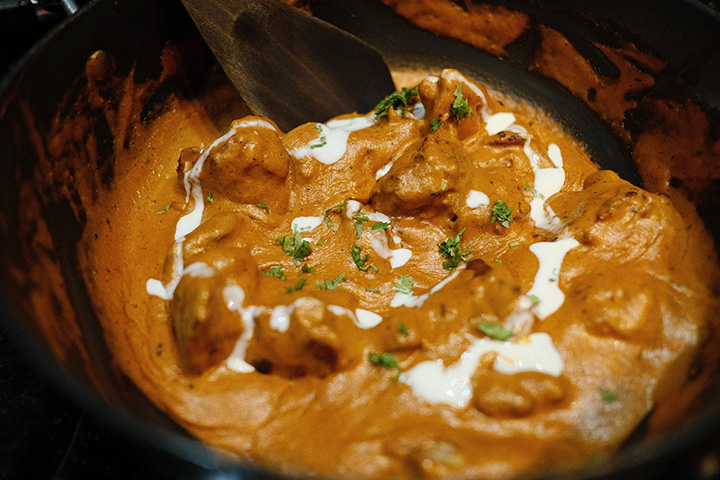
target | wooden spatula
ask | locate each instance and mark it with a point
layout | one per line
(290, 66)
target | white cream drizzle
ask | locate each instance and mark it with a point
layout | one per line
(498, 122)
(545, 286)
(476, 199)
(234, 297)
(331, 144)
(412, 301)
(397, 257)
(305, 224)
(435, 383)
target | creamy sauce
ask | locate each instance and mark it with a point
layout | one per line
(425, 360)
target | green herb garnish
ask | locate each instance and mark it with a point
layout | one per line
(405, 284)
(434, 125)
(164, 210)
(535, 193)
(263, 206)
(385, 360)
(502, 214)
(306, 269)
(493, 330)
(361, 259)
(397, 100)
(460, 107)
(513, 244)
(294, 246)
(330, 284)
(326, 218)
(403, 329)
(360, 217)
(274, 271)
(380, 226)
(323, 142)
(450, 249)
(606, 395)
(535, 299)
(210, 198)
(374, 290)
(300, 284)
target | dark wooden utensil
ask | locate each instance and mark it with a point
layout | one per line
(288, 65)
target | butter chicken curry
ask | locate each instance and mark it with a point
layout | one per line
(446, 286)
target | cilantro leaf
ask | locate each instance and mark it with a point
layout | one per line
(326, 217)
(360, 260)
(263, 206)
(385, 360)
(606, 395)
(460, 107)
(405, 284)
(502, 214)
(294, 246)
(493, 330)
(360, 217)
(403, 329)
(535, 193)
(397, 100)
(164, 210)
(451, 250)
(210, 198)
(300, 284)
(306, 269)
(330, 284)
(274, 271)
(380, 226)
(434, 125)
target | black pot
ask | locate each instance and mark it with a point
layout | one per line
(685, 34)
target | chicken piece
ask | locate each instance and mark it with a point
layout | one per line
(307, 337)
(205, 328)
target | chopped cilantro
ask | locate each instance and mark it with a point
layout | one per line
(403, 329)
(405, 284)
(374, 290)
(326, 218)
(274, 271)
(497, 260)
(397, 100)
(330, 284)
(380, 226)
(164, 210)
(320, 242)
(606, 395)
(361, 259)
(502, 214)
(318, 127)
(535, 193)
(263, 206)
(493, 330)
(300, 284)
(306, 269)
(294, 246)
(360, 217)
(460, 107)
(513, 244)
(450, 249)
(434, 124)
(384, 360)
(323, 142)
(210, 198)
(535, 299)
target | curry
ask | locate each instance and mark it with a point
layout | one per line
(447, 286)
